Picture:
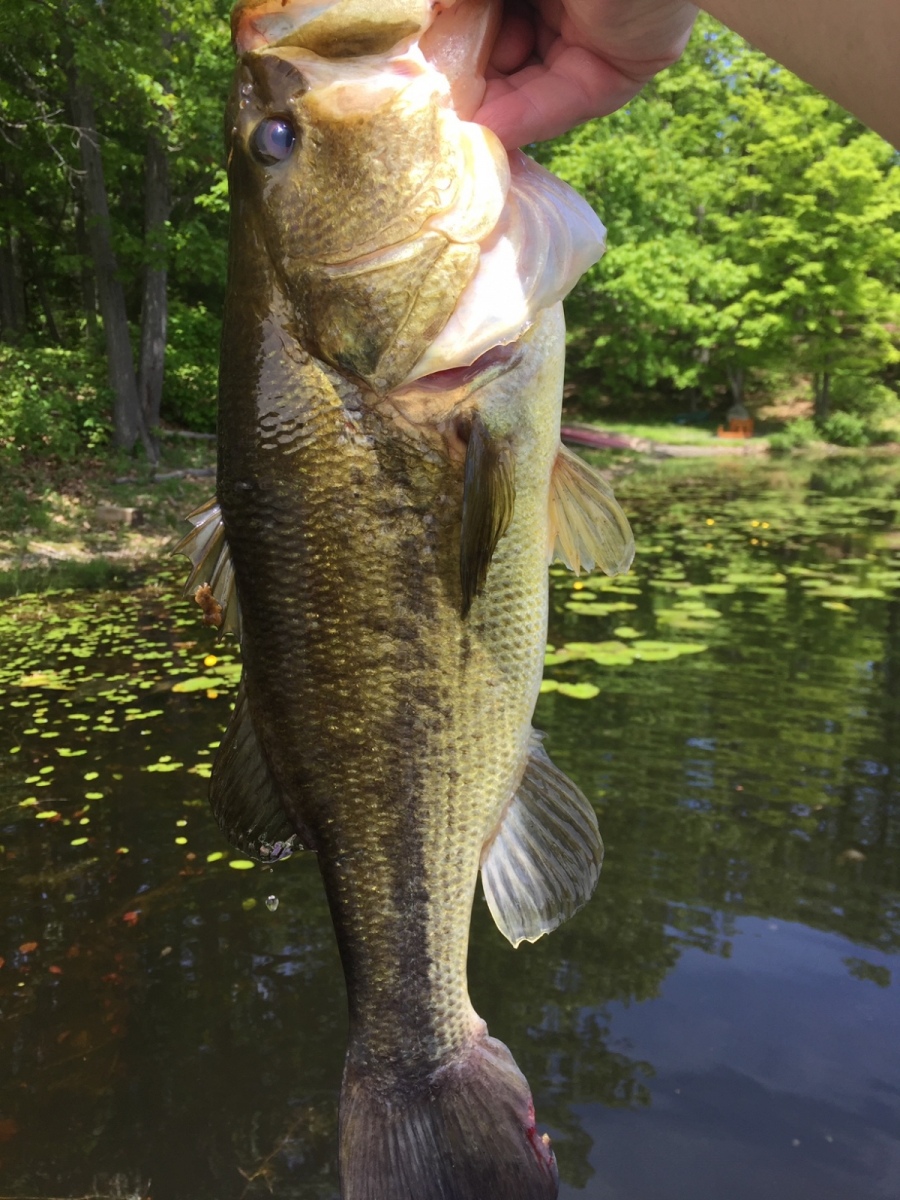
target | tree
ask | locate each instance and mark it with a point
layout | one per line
(128, 100)
(753, 225)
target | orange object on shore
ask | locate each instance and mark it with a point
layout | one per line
(738, 427)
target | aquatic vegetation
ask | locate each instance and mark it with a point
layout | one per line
(746, 770)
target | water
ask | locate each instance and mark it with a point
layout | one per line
(720, 1021)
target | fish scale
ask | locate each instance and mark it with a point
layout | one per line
(378, 701)
(390, 487)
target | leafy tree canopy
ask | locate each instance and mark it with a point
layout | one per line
(753, 226)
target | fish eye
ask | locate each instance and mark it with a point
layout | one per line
(273, 140)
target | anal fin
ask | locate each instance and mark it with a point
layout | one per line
(544, 860)
(211, 581)
(489, 498)
(245, 799)
(587, 525)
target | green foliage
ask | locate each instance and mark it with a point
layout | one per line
(863, 395)
(797, 434)
(753, 226)
(152, 70)
(846, 429)
(192, 354)
(55, 402)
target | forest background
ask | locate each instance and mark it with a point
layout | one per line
(754, 245)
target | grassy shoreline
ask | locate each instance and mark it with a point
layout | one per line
(53, 533)
(59, 519)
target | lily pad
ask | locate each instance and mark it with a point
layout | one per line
(52, 680)
(556, 657)
(755, 578)
(656, 651)
(578, 691)
(599, 610)
(200, 683)
(846, 592)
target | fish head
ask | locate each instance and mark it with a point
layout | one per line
(404, 239)
(368, 196)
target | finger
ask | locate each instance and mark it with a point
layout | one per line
(515, 40)
(544, 101)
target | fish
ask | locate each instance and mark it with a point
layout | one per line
(390, 489)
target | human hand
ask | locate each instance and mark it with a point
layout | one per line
(557, 63)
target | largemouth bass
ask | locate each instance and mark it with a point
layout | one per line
(390, 488)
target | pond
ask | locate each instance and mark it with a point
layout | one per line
(720, 1021)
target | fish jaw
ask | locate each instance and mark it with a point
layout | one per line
(333, 28)
(457, 36)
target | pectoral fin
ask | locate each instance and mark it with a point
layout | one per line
(489, 498)
(587, 526)
(245, 799)
(211, 581)
(544, 861)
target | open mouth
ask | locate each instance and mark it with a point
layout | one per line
(495, 360)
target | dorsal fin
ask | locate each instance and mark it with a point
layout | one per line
(245, 799)
(489, 498)
(587, 525)
(212, 577)
(544, 859)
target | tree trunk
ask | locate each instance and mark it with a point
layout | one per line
(12, 290)
(154, 307)
(128, 424)
(13, 313)
(736, 380)
(88, 285)
(40, 285)
(822, 389)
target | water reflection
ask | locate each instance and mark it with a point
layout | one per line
(162, 1021)
(754, 1094)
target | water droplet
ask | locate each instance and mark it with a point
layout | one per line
(271, 903)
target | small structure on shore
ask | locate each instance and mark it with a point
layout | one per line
(739, 423)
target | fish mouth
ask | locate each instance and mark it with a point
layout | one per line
(494, 362)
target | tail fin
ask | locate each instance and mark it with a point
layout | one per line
(464, 1133)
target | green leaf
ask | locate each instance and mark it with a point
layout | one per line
(578, 691)
(200, 683)
(598, 610)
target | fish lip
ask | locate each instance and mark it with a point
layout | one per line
(488, 366)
